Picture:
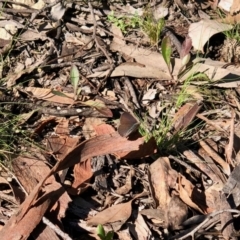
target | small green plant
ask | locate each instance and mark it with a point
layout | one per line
(153, 28)
(75, 78)
(103, 235)
(124, 22)
(234, 33)
(165, 140)
(166, 52)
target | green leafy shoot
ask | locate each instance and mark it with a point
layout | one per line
(101, 233)
(166, 52)
(74, 78)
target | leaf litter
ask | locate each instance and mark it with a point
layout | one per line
(121, 117)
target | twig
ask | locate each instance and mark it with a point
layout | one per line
(17, 3)
(99, 46)
(25, 11)
(95, 37)
(57, 230)
(131, 90)
(212, 215)
(229, 146)
(187, 166)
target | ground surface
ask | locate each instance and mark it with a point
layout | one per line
(122, 115)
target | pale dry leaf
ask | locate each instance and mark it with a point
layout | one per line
(226, 4)
(26, 2)
(154, 60)
(200, 32)
(117, 34)
(140, 229)
(130, 9)
(39, 4)
(72, 39)
(149, 95)
(58, 11)
(5, 35)
(235, 8)
(134, 70)
(159, 179)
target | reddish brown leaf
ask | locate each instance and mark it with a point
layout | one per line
(82, 175)
(185, 115)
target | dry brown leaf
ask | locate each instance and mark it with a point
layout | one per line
(63, 127)
(116, 213)
(21, 230)
(132, 69)
(225, 166)
(139, 229)
(213, 69)
(103, 129)
(159, 178)
(29, 171)
(177, 213)
(60, 146)
(210, 168)
(184, 195)
(185, 115)
(82, 173)
(46, 94)
(235, 8)
(100, 145)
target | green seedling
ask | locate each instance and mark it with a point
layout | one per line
(166, 52)
(75, 78)
(124, 22)
(102, 234)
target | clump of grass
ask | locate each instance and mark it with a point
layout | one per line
(166, 141)
(13, 139)
(152, 27)
(234, 33)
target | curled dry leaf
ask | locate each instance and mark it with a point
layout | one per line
(200, 32)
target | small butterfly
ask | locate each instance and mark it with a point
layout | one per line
(128, 124)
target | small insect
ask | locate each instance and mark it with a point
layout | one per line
(128, 124)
